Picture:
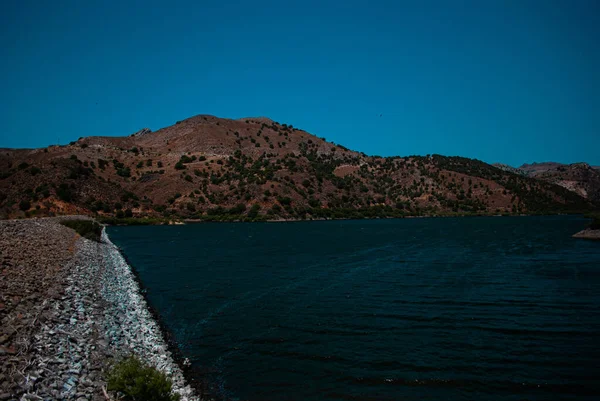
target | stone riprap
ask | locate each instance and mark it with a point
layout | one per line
(69, 307)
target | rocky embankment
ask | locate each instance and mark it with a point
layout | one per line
(68, 308)
(588, 233)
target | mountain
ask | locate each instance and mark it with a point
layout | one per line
(536, 168)
(506, 167)
(580, 178)
(254, 168)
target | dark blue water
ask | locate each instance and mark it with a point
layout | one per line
(413, 309)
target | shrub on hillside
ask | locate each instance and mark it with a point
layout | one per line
(135, 380)
(24, 205)
(253, 213)
(595, 224)
(86, 228)
(124, 172)
(64, 193)
(35, 170)
(285, 201)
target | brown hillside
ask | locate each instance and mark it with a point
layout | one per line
(254, 168)
(580, 178)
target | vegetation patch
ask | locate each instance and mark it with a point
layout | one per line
(134, 380)
(133, 221)
(595, 224)
(86, 228)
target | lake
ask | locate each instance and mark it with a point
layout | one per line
(486, 308)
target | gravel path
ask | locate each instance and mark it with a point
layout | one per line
(68, 307)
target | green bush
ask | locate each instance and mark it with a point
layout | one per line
(35, 170)
(237, 209)
(124, 172)
(24, 205)
(133, 221)
(253, 213)
(64, 193)
(595, 224)
(285, 201)
(137, 381)
(86, 228)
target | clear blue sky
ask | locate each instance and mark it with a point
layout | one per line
(498, 80)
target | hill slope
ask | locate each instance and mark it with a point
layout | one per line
(254, 168)
(580, 178)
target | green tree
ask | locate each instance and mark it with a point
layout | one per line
(124, 172)
(24, 205)
(64, 193)
(253, 213)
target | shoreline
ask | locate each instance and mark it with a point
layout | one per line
(157, 347)
(321, 219)
(196, 383)
(69, 307)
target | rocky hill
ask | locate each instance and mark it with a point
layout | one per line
(510, 169)
(580, 178)
(537, 168)
(254, 168)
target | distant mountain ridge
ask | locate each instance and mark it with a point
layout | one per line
(206, 167)
(506, 167)
(580, 178)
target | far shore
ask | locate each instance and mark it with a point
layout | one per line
(180, 221)
(146, 220)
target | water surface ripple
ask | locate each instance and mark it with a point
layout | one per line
(414, 309)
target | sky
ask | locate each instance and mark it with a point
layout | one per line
(498, 80)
